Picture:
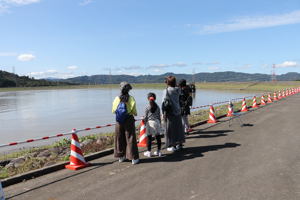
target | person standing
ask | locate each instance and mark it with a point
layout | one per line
(152, 120)
(124, 106)
(186, 102)
(172, 116)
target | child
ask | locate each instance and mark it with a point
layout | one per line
(153, 127)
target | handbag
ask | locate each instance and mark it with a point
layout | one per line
(167, 104)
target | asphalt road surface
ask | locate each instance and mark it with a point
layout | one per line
(257, 161)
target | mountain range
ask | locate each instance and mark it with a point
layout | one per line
(12, 80)
(227, 76)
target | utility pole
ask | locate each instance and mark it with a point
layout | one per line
(273, 75)
(193, 76)
(110, 78)
(15, 75)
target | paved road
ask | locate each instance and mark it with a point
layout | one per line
(260, 161)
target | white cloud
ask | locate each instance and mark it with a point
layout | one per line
(250, 22)
(5, 5)
(26, 57)
(288, 64)
(7, 54)
(163, 66)
(213, 63)
(197, 63)
(51, 73)
(133, 67)
(179, 64)
(213, 68)
(160, 66)
(85, 2)
(72, 67)
(3, 8)
(19, 2)
(157, 70)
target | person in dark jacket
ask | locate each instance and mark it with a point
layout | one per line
(186, 101)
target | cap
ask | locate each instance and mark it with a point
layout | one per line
(126, 85)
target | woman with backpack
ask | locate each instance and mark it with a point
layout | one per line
(172, 116)
(186, 102)
(124, 106)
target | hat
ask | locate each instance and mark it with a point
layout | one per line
(124, 85)
(151, 98)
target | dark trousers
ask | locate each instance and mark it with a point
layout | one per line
(149, 142)
(125, 140)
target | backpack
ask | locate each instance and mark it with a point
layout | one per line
(121, 112)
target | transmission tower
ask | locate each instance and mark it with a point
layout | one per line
(273, 75)
(15, 75)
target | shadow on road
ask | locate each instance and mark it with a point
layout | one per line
(94, 166)
(189, 153)
(208, 134)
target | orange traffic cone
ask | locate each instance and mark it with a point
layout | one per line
(275, 97)
(230, 110)
(143, 137)
(77, 160)
(244, 106)
(211, 117)
(254, 105)
(1, 192)
(279, 95)
(283, 94)
(262, 100)
(269, 98)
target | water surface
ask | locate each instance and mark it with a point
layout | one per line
(37, 113)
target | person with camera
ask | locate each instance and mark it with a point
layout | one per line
(174, 131)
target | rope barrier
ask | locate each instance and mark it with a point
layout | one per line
(103, 126)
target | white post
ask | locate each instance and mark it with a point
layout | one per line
(1, 192)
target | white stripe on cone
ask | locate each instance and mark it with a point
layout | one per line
(78, 156)
(144, 136)
(75, 143)
(211, 117)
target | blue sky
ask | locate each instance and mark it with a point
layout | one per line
(66, 38)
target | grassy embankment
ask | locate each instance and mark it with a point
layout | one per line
(59, 151)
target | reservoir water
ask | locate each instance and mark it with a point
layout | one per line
(38, 113)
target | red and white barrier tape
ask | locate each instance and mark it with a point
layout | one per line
(102, 126)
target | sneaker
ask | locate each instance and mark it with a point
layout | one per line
(179, 147)
(171, 149)
(134, 162)
(147, 154)
(122, 159)
(157, 153)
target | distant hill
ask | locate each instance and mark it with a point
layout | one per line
(12, 80)
(228, 76)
